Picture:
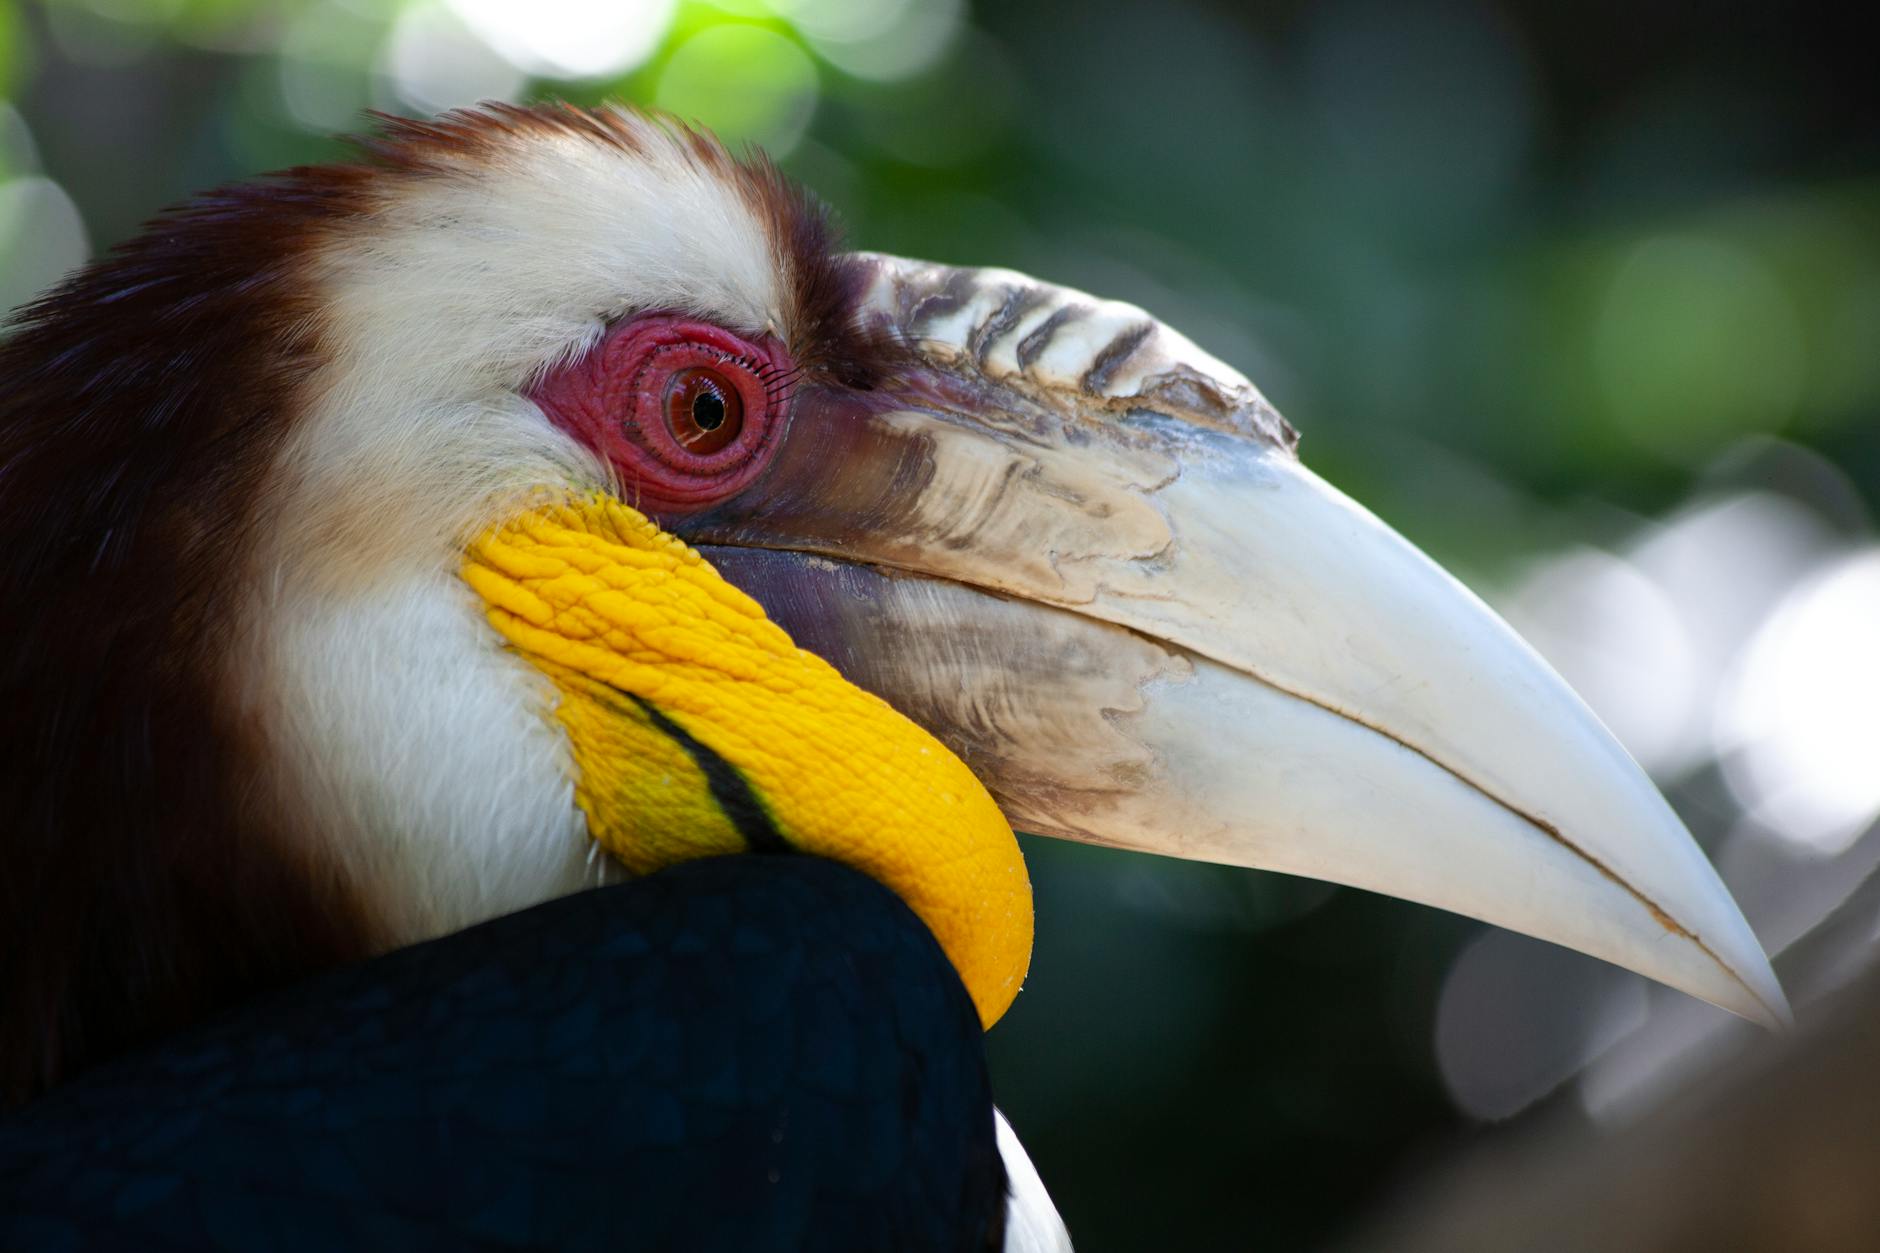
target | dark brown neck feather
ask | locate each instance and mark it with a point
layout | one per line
(141, 884)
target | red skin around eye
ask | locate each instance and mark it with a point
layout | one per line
(613, 400)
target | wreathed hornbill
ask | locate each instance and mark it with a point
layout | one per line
(542, 500)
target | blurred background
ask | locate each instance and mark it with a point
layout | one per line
(1584, 299)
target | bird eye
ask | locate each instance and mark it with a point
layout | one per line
(687, 413)
(703, 410)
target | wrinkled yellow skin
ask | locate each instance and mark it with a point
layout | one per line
(612, 608)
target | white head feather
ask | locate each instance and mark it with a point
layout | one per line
(405, 737)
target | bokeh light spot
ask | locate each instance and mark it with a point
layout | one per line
(19, 154)
(1696, 344)
(877, 39)
(436, 62)
(323, 67)
(570, 38)
(1799, 731)
(1620, 641)
(744, 82)
(1519, 1016)
(42, 237)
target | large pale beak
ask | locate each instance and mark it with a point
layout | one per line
(1083, 554)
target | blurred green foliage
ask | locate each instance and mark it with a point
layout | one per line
(9, 51)
(1496, 262)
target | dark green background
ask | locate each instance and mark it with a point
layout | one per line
(1526, 275)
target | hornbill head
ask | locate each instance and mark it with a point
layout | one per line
(395, 544)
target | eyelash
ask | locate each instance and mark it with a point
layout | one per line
(779, 385)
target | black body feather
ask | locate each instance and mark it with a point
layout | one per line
(746, 1053)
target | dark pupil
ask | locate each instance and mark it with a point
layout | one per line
(704, 412)
(708, 410)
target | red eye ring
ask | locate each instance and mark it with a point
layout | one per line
(686, 412)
